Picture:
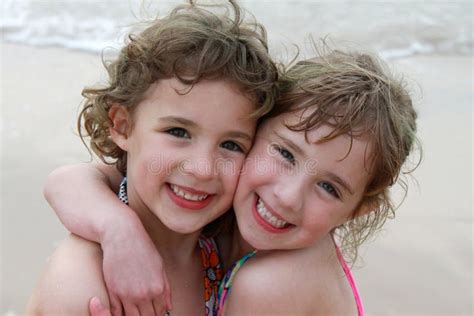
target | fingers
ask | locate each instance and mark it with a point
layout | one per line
(167, 292)
(115, 305)
(131, 310)
(160, 308)
(149, 310)
(153, 309)
(97, 309)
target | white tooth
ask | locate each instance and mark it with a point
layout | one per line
(269, 218)
(268, 215)
(187, 196)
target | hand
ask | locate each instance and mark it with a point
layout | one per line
(133, 271)
(97, 309)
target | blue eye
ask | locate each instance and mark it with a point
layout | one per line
(329, 188)
(178, 132)
(287, 155)
(232, 146)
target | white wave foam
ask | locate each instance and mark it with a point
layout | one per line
(411, 29)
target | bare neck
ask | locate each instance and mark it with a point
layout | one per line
(237, 247)
(175, 248)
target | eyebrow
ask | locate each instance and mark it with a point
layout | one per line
(237, 134)
(340, 181)
(290, 144)
(189, 123)
(178, 120)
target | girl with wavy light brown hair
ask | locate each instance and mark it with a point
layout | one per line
(188, 89)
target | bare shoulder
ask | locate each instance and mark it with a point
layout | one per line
(295, 282)
(72, 276)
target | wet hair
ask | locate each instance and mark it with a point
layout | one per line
(192, 43)
(356, 95)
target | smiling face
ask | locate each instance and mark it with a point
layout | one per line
(185, 151)
(292, 192)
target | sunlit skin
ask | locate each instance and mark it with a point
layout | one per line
(312, 187)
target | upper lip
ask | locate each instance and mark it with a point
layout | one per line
(191, 190)
(271, 210)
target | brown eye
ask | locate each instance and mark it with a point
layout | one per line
(232, 146)
(178, 132)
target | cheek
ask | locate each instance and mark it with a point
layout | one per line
(258, 169)
(229, 170)
(151, 167)
(321, 217)
(156, 164)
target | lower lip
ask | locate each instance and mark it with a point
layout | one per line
(192, 205)
(269, 228)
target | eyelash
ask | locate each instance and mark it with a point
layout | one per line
(178, 132)
(182, 133)
(235, 146)
(286, 154)
(329, 188)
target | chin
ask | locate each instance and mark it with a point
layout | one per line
(184, 229)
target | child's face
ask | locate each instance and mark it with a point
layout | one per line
(293, 192)
(184, 152)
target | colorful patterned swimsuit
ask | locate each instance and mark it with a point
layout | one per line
(226, 284)
(211, 263)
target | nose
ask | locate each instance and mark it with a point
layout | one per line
(289, 193)
(200, 164)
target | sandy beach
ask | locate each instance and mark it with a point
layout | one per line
(420, 264)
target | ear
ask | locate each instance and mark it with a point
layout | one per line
(121, 125)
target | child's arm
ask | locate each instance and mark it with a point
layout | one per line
(73, 273)
(133, 269)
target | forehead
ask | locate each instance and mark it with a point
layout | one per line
(207, 98)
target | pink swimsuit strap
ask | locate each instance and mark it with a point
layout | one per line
(350, 278)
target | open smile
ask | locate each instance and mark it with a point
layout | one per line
(187, 197)
(267, 218)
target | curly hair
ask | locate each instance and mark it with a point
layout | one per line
(357, 96)
(191, 43)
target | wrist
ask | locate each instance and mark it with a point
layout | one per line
(120, 225)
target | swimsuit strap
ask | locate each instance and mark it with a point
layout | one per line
(122, 195)
(226, 284)
(212, 270)
(350, 278)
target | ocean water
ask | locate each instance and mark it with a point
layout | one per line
(392, 28)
